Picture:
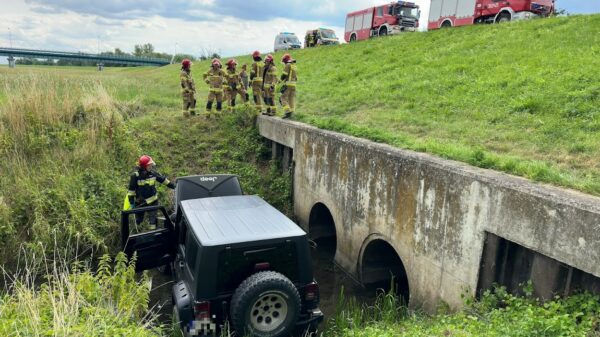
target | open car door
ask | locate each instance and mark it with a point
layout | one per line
(153, 248)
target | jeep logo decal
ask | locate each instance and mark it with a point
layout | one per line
(212, 179)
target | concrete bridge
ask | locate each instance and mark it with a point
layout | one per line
(441, 228)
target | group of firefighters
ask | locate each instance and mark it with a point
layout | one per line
(226, 85)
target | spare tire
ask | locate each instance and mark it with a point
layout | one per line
(266, 304)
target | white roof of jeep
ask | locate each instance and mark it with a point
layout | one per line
(237, 219)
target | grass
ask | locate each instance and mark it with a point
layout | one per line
(70, 138)
(496, 314)
(75, 302)
(521, 98)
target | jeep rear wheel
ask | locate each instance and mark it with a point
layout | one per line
(266, 304)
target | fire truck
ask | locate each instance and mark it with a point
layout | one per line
(391, 18)
(448, 13)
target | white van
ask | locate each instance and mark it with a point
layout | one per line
(286, 41)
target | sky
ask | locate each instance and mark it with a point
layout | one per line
(196, 27)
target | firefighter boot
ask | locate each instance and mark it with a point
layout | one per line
(208, 109)
(219, 107)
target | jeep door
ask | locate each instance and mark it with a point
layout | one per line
(152, 248)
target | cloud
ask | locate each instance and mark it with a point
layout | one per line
(329, 11)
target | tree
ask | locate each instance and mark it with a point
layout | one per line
(145, 50)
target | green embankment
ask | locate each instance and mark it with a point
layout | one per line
(522, 98)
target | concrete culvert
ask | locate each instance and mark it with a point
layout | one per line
(381, 264)
(321, 229)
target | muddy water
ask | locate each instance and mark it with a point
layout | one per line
(330, 277)
(332, 280)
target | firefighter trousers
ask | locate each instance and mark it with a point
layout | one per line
(214, 94)
(257, 93)
(288, 99)
(270, 101)
(231, 95)
(189, 104)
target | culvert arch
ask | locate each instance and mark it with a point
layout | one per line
(379, 264)
(322, 229)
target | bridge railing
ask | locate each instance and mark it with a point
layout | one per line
(83, 56)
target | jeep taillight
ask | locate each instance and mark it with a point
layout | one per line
(311, 291)
(202, 310)
(262, 266)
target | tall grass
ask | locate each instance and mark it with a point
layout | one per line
(62, 141)
(73, 301)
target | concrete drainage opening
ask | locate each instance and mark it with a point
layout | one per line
(509, 264)
(380, 265)
(322, 231)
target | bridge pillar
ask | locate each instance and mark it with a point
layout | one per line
(11, 62)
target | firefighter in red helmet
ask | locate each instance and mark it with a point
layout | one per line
(188, 88)
(234, 85)
(215, 77)
(288, 89)
(142, 188)
(256, 78)
(269, 82)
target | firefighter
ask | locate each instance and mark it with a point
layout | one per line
(288, 89)
(269, 82)
(188, 88)
(244, 76)
(142, 189)
(256, 76)
(310, 39)
(215, 77)
(233, 85)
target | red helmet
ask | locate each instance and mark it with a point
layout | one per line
(186, 63)
(256, 54)
(216, 62)
(286, 58)
(231, 63)
(269, 58)
(145, 161)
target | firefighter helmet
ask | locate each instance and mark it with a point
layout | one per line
(286, 58)
(269, 58)
(256, 54)
(185, 64)
(231, 63)
(216, 62)
(145, 161)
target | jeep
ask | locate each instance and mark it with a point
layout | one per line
(234, 258)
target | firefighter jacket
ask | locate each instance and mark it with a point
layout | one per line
(215, 78)
(234, 81)
(290, 74)
(256, 74)
(187, 83)
(142, 186)
(270, 76)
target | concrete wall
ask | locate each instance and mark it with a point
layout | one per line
(434, 212)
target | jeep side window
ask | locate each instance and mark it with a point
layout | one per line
(191, 251)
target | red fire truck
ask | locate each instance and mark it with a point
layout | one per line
(448, 13)
(392, 18)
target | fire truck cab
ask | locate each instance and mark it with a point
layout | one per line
(391, 18)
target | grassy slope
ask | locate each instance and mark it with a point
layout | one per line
(521, 98)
